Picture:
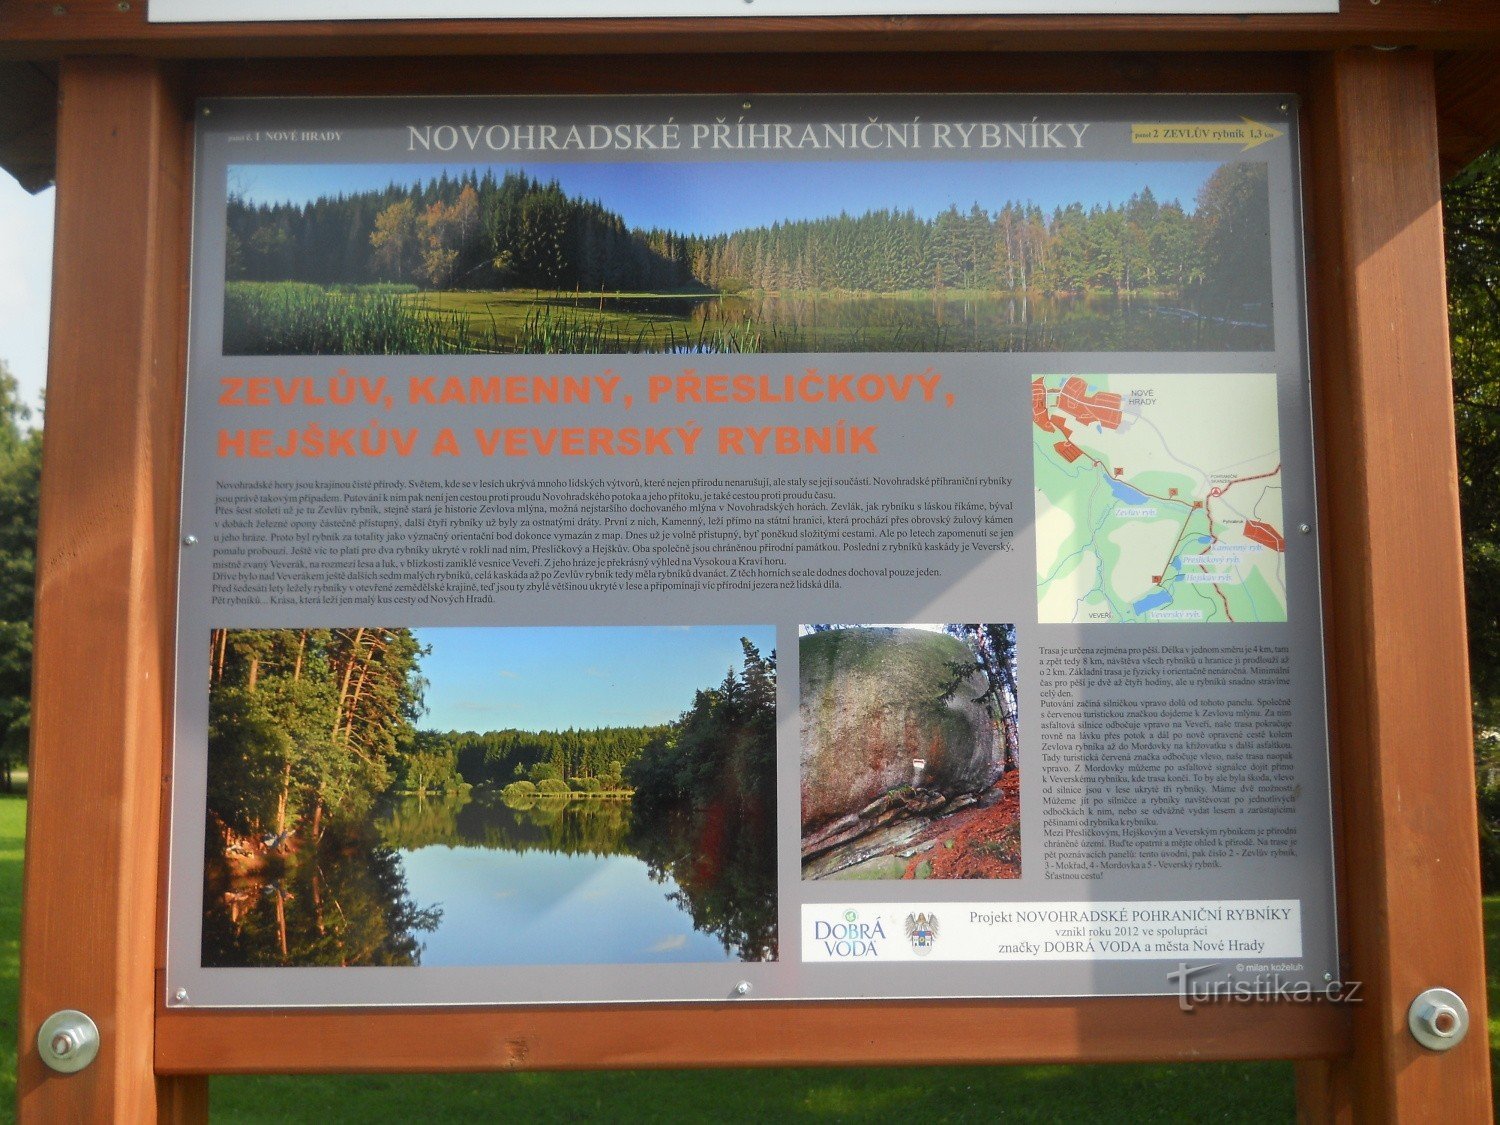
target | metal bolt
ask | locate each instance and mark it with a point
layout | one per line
(1327, 977)
(122, 5)
(744, 105)
(207, 112)
(59, 10)
(1286, 107)
(180, 995)
(742, 989)
(189, 540)
(67, 1041)
(1305, 528)
(1438, 1019)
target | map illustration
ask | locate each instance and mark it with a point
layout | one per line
(1158, 498)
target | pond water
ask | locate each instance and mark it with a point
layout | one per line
(546, 884)
(469, 879)
(935, 322)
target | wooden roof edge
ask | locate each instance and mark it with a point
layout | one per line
(1468, 97)
(1468, 85)
(28, 122)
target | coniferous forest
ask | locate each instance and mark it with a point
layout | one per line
(323, 791)
(483, 262)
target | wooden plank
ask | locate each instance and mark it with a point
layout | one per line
(105, 591)
(832, 1034)
(49, 28)
(1395, 595)
(951, 72)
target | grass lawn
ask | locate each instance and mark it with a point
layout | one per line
(1248, 1092)
(12, 839)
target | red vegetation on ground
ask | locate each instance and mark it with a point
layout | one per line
(986, 841)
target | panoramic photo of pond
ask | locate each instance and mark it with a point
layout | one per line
(626, 836)
(723, 258)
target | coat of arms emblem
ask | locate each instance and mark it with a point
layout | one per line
(922, 932)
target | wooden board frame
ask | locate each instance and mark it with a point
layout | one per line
(1406, 838)
(59, 28)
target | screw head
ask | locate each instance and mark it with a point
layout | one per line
(1305, 528)
(742, 989)
(63, 1044)
(189, 540)
(180, 995)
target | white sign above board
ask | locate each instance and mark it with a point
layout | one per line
(249, 11)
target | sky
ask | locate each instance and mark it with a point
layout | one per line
(559, 677)
(25, 284)
(704, 198)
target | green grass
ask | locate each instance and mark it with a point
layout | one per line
(293, 318)
(1255, 1092)
(531, 323)
(1236, 1092)
(298, 318)
(1492, 980)
(12, 841)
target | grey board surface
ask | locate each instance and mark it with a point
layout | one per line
(949, 416)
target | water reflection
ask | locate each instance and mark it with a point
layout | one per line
(934, 322)
(546, 881)
(346, 904)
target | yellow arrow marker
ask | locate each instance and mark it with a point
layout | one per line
(1249, 134)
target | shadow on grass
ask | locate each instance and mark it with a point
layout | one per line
(1248, 1092)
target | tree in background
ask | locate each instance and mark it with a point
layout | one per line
(20, 490)
(1233, 218)
(705, 803)
(482, 232)
(306, 726)
(994, 651)
(1471, 203)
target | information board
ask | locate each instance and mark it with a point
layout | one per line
(787, 548)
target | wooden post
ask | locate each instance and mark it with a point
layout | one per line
(1395, 594)
(105, 593)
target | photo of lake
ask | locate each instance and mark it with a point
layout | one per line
(533, 879)
(616, 806)
(722, 257)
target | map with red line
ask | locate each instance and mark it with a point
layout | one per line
(1158, 498)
